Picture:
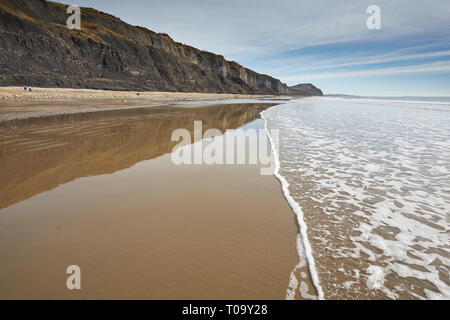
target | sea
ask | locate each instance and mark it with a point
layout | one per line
(369, 181)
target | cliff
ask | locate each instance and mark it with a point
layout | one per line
(305, 89)
(37, 49)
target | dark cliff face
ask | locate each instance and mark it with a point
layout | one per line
(305, 89)
(38, 49)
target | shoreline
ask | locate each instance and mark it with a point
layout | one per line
(17, 104)
(363, 208)
(228, 247)
(303, 245)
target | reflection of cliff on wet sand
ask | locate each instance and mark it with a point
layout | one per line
(39, 154)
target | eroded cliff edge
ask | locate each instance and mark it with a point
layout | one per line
(37, 49)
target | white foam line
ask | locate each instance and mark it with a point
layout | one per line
(298, 211)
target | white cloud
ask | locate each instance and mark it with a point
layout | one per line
(260, 34)
(237, 28)
(435, 67)
(309, 63)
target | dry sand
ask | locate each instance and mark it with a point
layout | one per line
(16, 103)
(15, 93)
(100, 191)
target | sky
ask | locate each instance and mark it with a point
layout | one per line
(324, 42)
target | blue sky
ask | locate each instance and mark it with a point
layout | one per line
(317, 41)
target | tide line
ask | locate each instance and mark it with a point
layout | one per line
(307, 254)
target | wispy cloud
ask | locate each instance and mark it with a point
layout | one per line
(307, 40)
(435, 67)
(238, 28)
(371, 60)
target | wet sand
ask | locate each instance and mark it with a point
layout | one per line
(99, 190)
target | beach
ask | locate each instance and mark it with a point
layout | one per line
(36, 93)
(224, 152)
(355, 205)
(16, 103)
(99, 190)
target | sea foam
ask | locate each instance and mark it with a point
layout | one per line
(303, 245)
(369, 182)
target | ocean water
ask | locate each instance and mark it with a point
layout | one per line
(370, 183)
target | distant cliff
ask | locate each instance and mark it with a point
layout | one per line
(37, 49)
(305, 89)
